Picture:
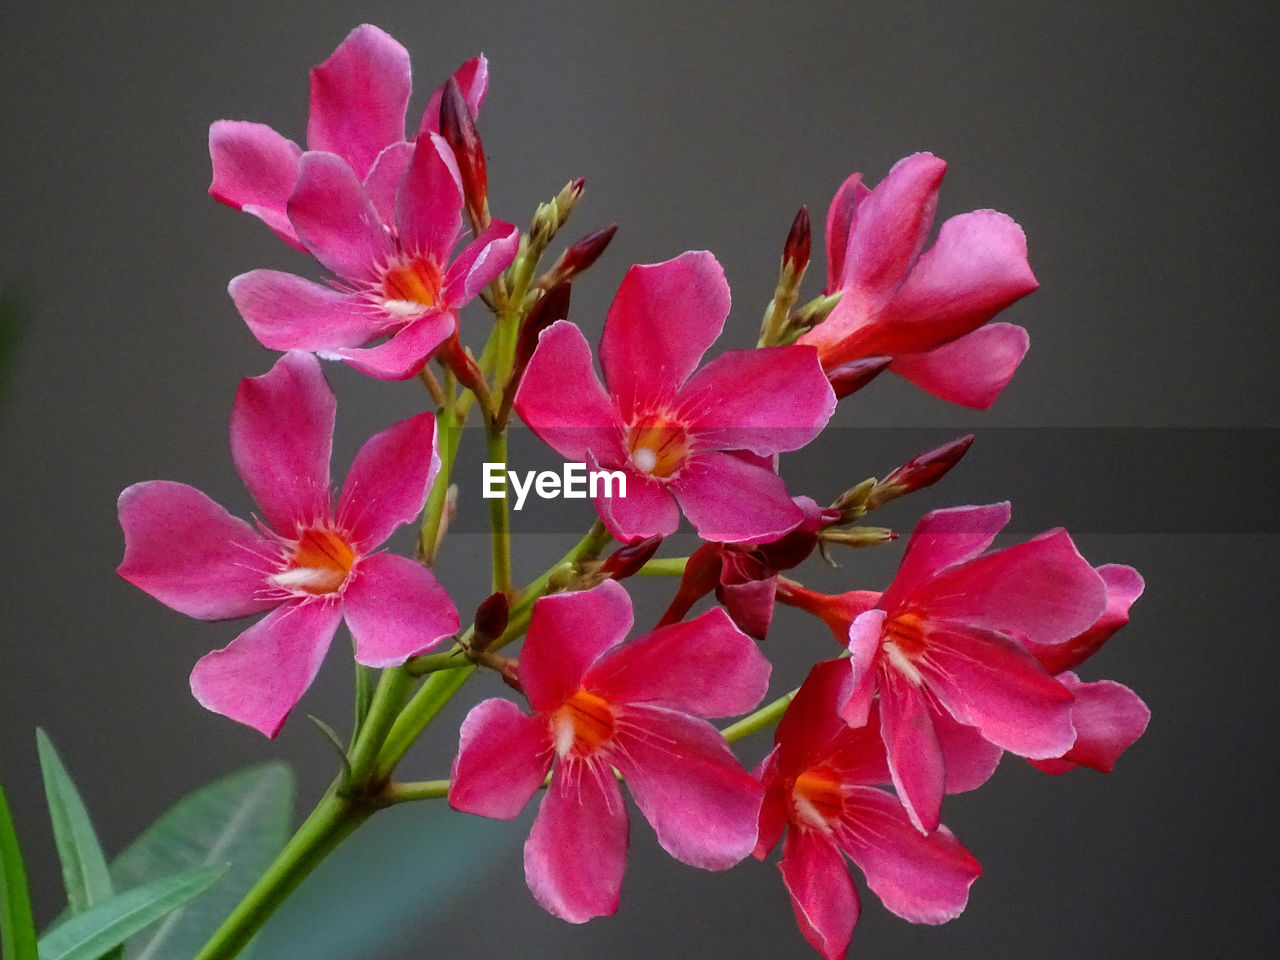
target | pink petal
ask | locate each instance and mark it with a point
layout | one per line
(865, 634)
(503, 757)
(254, 170)
(1108, 718)
(765, 400)
(977, 268)
(729, 499)
(943, 538)
(396, 609)
(857, 754)
(915, 756)
(688, 784)
(924, 879)
(970, 757)
(811, 723)
(647, 510)
(893, 225)
(281, 439)
(562, 401)
(190, 554)
(389, 481)
(335, 219)
(971, 370)
(661, 322)
(567, 634)
(289, 313)
(705, 667)
(407, 351)
(473, 81)
(480, 262)
(382, 181)
(1042, 590)
(358, 98)
(1124, 586)
(773, 812)
(750, 604)
(990, 682)
(822, 893)
(429, 201)
(259, 677)
(842, 218)
(577, 852)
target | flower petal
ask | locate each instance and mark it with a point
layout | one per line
(729, 499)
(281, 439)
(562, 401)
(289, 313)
(970, 757)
(190, 554)
(1108, 718)
(1124, 586)
(971, 370)
(503, 757)
(647, 510)
(773, 812)
(1041, 590)
(688, 784)
(359, 96)
(429, 201)
(811, 724)
(915, 757)
(259, 677)
(335, 220)
(254, 170)
(977, 268)
(750, 604)
(941, 539)
(990, 682)
(389, 481)
(396, 609)
(382, 182)
(480, 262)
(842, 219)
(765, 400)
(407, 351)
(705, 667)
(473, 81)
(822, 892)
(577, 851)
(924, 879)
(661, 322)
(865, 634)
(568, 632)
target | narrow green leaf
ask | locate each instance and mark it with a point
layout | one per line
(84, 868)
(242, 819)
(88, 935)
(17, 929)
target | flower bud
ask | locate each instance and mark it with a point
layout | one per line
(795, 253)
(550, 307)
(579, 257)
(852, 504)
(458, 128)
(626, 561)
(463, 365)
(851, 377)
(920, 471)
(491, 620)
(852, 537)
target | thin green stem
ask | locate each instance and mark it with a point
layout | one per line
(766, 716)
(420, 711)
(664, 567)
(499, 518)
(332, 821)
(421, 790)
(389, 697)
(448, 434)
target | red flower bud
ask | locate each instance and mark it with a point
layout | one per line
(458, 128)
(463, 365)
(491, 620)
(553, 306)
(851, 377)
(795, 255)
(627, 560)
(920, 471)
(584, 253)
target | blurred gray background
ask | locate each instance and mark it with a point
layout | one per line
(1136, 144)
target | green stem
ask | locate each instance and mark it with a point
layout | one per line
(332, 821)
(422, 790)
(448, 432)
(665, 567)
(420, 711)
(499, 518)
(766, 716)
(393, 688)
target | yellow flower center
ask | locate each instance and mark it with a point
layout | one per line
(657, 445)
(320, 563)
(817, 798)
(411, 287)
(903, 643)
(581, 725)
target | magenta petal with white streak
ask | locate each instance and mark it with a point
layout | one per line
(480, 262)
(406, 352)
(396, 609)
(254, 170)
(335, 220)
(289, 313)
(823, 896)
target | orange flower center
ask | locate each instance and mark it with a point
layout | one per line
(581, 725)
(411, 287)
(903, 643)
(817, 798)
(657, 445)
(320, 563)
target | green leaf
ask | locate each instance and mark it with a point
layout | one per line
(84, 868)
(243, 820)
(17, 929)
(87, 936)
(406, 868)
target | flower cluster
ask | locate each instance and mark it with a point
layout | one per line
(968, 653)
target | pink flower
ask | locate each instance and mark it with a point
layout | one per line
(634, 709)
(1107, 716)
(923, 311)
(358, 101)
(389, 243)
(310, 565)
(820, 787)
(700, 440)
